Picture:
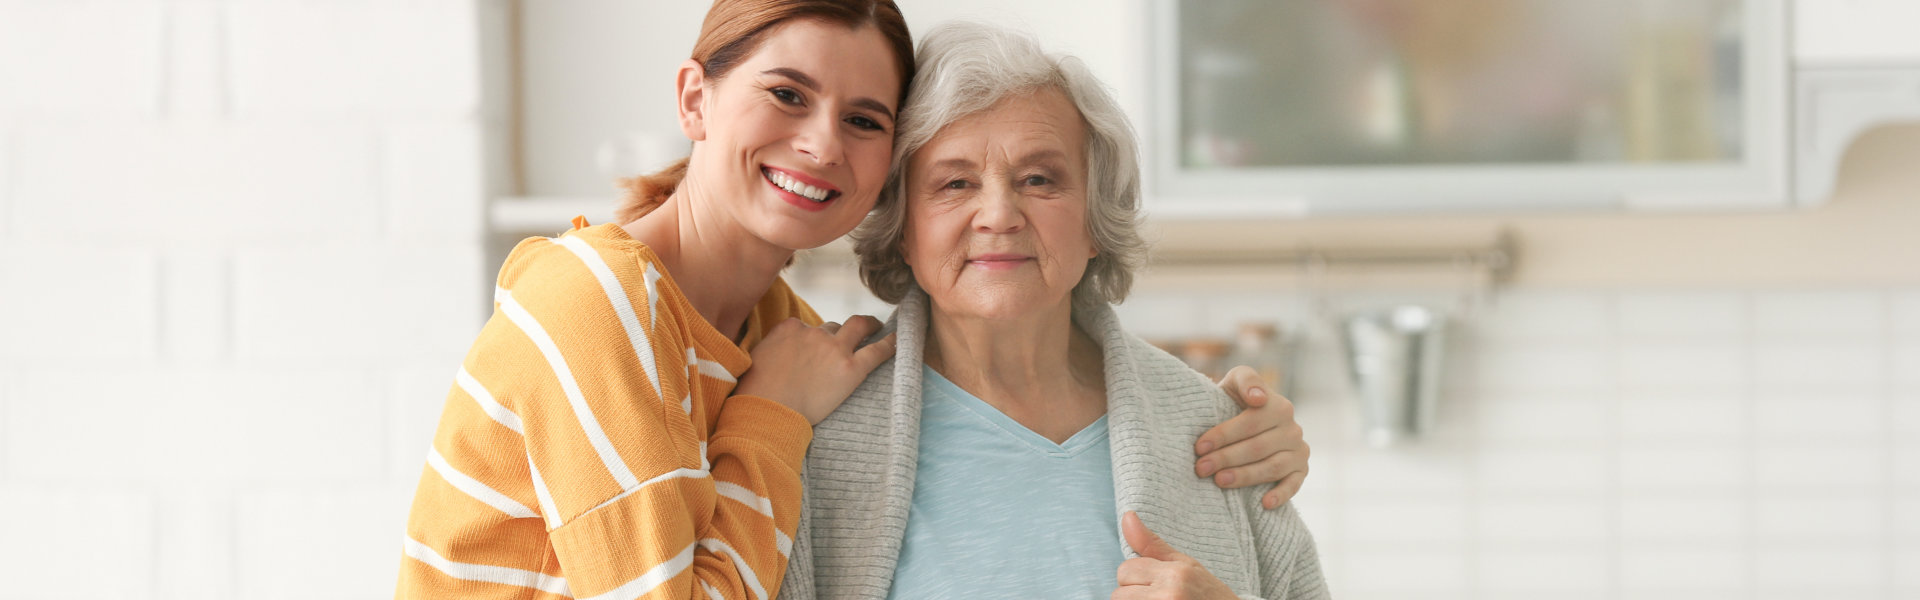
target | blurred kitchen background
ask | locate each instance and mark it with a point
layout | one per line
(1672, 246)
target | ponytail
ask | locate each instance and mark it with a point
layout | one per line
(647, 192)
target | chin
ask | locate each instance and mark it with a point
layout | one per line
(1011, 306)
(799, 236)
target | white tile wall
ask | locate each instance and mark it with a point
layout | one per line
(195, 83)
(77, 544)
(240, 257)
(106, 297)
(195, 182)
(1638, 444)
(93, 57)
(416, 57)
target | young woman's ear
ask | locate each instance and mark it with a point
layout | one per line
(691, 85)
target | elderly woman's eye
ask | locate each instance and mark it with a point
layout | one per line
(1036, 180)
(957, 184)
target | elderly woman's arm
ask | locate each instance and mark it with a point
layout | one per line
(1261, 445)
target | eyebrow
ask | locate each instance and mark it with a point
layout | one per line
(1041, 155)
(808, 82)
(955, 164)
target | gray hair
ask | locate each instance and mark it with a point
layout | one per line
(965, 68)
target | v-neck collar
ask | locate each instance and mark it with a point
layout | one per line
(1088, 437)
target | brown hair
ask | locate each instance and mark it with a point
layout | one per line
(732, 31)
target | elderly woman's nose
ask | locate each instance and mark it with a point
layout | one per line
(819, 139)
(1001, 210)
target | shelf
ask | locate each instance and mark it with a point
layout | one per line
(546, 214)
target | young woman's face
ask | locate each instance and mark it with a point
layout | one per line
(798, 136)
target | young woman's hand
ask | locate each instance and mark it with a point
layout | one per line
(1260, 445)
(812, 369)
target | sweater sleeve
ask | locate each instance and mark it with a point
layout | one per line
(624, 495)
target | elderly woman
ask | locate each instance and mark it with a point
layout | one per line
(1006, 448)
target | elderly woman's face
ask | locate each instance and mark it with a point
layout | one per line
(996, 209)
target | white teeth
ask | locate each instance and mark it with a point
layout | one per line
(789, 184)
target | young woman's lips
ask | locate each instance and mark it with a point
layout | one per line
(797, 200)
(998, 262)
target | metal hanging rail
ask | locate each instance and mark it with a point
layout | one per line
(1498, 258)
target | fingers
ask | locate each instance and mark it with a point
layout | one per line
(1143, 540)
(1245, 452)
(869, 357)
(1271, 469)
(1133, 592)
(831, 327)
(1245, 425)
(1246, 387)
(858, 327)
(1140, 571)
(1285, 491)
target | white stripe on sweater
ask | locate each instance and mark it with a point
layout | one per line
(540, 493)
(709, 368)
(485, 399)
(475, 488)
(622, 306)
(744, 496)
(759, 504)
(660, 573)
(609, 456)
(487, 573)
(720, 548)
(674, 474)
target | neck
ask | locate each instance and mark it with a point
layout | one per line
(1037, 369)
(722, 268)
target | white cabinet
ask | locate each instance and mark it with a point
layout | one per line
(1856, 33)
(1858, 67)
(1475, 105)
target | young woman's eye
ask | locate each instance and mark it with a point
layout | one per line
(786, 95)
(865, 123)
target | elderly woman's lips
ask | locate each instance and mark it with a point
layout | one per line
(998, 261)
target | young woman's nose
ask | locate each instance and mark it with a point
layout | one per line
(819, 139)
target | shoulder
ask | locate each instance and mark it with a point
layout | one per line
(586, 285)
(1163, 375)
(579, 261)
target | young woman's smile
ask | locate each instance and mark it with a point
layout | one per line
(801, 190)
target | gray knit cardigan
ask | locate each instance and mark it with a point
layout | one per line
(860, 469)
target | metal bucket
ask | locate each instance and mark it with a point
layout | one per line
(1393, 358)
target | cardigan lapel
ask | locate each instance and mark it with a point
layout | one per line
(876, 507)
(1151, 461)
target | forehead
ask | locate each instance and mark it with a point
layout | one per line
(851, 61)
(1036, 120)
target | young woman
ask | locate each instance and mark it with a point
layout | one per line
(604, 436)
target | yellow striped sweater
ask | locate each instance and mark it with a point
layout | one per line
(590, 446)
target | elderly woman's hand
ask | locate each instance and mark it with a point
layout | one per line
(1261, 445)
(813, 369)
(1161, 571)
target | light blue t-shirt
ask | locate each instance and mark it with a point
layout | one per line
(1002, 512)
